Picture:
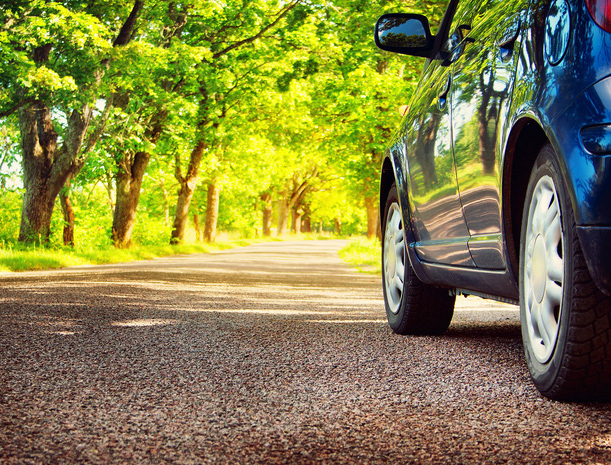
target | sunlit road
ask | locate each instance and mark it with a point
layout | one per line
(274, 353)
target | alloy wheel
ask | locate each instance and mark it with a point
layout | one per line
(394, 258)
(543, 269)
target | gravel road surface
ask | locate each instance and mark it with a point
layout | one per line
(273, 353)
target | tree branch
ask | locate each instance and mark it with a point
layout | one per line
(95, 135)
(177, 169)
(17, 106)
(248, 40)
(129, 25)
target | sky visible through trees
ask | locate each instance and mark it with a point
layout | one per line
(155, 121)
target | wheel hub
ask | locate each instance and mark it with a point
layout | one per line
(539, 262)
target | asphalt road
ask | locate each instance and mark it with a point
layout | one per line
(274, 353)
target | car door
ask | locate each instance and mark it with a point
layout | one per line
(436, 213)
(483, 65)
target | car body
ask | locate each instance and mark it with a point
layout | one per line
(501, 172)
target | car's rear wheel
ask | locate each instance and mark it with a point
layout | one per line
(565, 319)
(412, 307)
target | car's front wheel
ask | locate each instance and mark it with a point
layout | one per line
(565, 319)
(412, 307)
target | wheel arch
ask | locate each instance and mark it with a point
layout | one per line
(525, 141)
(387, 179)
(393, 173)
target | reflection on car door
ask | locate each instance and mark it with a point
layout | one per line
(436, 214)
(483, 67)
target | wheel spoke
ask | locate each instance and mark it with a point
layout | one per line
(555, 268)
(553, 293)
(553, 233)
(551, 216)
(395, 222)
(394, 293)
(400, 271)
(528, 291)
(399, 238)
(528, 267)
(400, 249)
(537, 323)
(400, 252)
(542, 204)
(530, 249)
(548, 326)
(398, 282)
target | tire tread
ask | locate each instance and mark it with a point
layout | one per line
(585, 375)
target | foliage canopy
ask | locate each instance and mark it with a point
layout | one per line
(155, 120)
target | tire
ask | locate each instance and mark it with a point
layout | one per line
(412, 307)
(565, 319)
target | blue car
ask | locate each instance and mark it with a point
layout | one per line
(497, 183)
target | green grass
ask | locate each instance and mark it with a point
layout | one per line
(364, 254)
(40, 258)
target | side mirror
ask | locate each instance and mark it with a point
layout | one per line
(404, 33)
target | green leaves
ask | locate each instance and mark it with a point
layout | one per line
(51, 53)
(281, 93)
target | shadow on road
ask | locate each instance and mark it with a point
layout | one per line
(277, 357)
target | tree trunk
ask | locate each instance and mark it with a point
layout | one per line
(486, 143)
(110, 197)
(36, 214)
(129, 176)
(166, 203)
(185, 192)
(46, 169)
(38, 146)
(68, 211)
(296, 226)
(266, 198)
(290, 199)
(212, 211)
(129, 182)
(306, 220)
(283, 214)
(198, 229)
(371, 205)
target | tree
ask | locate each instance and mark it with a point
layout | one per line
(150, 77)
(51, 76)
(224, 80)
